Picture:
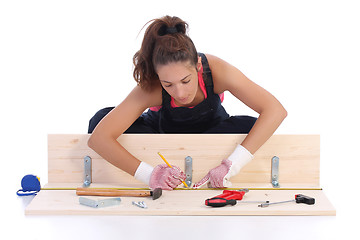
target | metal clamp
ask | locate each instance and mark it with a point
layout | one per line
(188, 170)
(87, 171)
(275, 172)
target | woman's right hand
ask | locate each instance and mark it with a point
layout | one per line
(166, 178)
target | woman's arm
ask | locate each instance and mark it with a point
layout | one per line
(104, 137)
(271, 113)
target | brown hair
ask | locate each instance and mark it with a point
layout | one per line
(165, 41)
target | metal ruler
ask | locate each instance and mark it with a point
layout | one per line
(59, 188)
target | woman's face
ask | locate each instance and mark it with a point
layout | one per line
(180, 80)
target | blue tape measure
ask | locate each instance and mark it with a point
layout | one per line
(30, 185)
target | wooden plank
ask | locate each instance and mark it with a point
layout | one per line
(259, 186)
(299, 168)
(182, 202)
(299, 157)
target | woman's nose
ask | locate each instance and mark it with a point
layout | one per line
(180, 92)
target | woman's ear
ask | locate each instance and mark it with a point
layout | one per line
(199, 64)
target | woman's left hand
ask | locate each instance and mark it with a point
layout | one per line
(216, 178)
(219, 177)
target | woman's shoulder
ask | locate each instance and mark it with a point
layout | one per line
(212, 59)
(218, 68)
(216, 64)
(149, 97)
(226, 77)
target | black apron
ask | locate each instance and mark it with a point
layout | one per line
(198, 119)
(209, 116)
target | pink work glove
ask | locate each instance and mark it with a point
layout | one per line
(215, 177)
(165, 177)
(219, 177)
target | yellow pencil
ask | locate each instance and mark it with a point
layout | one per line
(167, 163)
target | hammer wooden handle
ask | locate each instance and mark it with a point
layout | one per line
(112, 192)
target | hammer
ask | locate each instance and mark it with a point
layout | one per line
(156, 193)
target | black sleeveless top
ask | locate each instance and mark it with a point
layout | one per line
(198, 119)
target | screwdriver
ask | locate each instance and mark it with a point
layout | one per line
(226, 198)
(299, 198)
(221, 202)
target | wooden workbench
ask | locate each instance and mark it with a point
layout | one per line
(298, 174)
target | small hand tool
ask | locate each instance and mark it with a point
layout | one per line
(228, 197)
(30, 185)
(156, 193)
(141, 204)
(221, 202)
(253, 201)
(233, 194)
(299, 198)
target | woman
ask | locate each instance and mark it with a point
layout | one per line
(183, 90)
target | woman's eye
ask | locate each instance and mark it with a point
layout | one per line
(186, 81)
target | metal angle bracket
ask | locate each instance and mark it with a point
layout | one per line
(87, 171)
(188, 170)
(99, 203)
(275, 172)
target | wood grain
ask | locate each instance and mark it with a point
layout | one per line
(182, 202)
(299, 157)
(299, 168)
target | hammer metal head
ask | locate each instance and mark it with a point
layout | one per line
(156, 193)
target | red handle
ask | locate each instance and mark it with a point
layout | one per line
(230, 194)
(219, 202)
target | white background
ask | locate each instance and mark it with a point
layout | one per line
(61, 61)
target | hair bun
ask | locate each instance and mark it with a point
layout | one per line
(165, 29)
(171, 30)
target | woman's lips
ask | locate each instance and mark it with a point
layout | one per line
(183, 100)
